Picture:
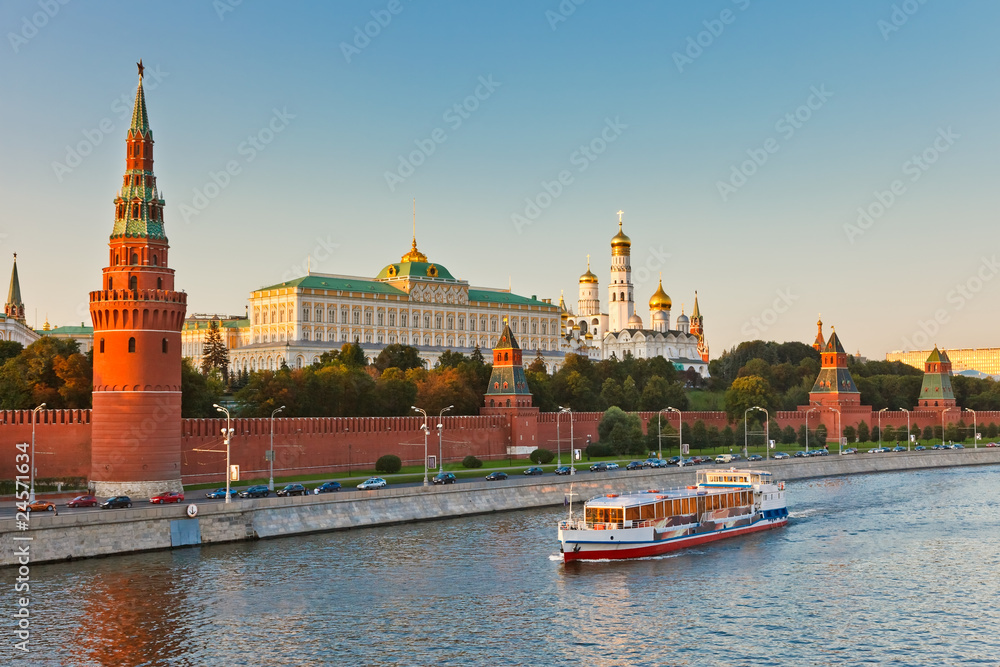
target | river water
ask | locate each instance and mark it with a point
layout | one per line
(893, 569)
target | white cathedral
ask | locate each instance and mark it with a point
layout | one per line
(620, 331)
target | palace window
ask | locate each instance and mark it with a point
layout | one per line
(319, 314)
(427, 321)
(357, 316)
(305, 314)
(451, 322)
(331, 315)
(392, 318)
(513, 326)
(343, 316)
(368, 318)
(534, 327)
(545, 328)
(305, 335)
(380, 317)
(482, 324)
(461, 323)
(437, 321)
(402, 319)
(493, 324)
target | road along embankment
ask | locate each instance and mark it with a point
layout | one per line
(87, 534)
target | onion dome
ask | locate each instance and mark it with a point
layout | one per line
(589, 276)
(414, 255)
(660, 300)
(683, 319)
(620, 243)
(635, 322)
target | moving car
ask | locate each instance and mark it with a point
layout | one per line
(168, 497)
(819, 452)
(327, 487)
(600, 466)
(782, 455)
(877, 450)
(755, 457)
(726, 458)
(899, 448)
(919, 448)
(83, 501)
(293, 490)
(800, 454)
(372, 483)
(565, 470)
(221, 493)
(849, 450)
(257, 491)
(116, 502)
(534, 470)
(497, 475)
(445, 478)
(635, 465)
(41, 506)
(613, 466)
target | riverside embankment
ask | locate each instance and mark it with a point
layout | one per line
(88, 534)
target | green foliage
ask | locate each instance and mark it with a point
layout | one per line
(621, 431)
(864, 435)
(598, 450)
(851, 434)
(820, 436)
(928, 433)
(404, 357)
(728, 437)
(214, 354)
(388, 464)
(951, 432)
(50, 371)
(471, 462)
(787, 435)
(541, 456)
(992, 430)
(889, 433)
(747, 392)
(199, 392)
(698, 437)
(9, 349)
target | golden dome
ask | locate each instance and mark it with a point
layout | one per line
(589, 276)
(414, 255)
(660, 300)
(620, 243)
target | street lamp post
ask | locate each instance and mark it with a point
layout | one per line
(680, 431)
(767, 434)
(227, 433)
(943, 413)
(426, 431)
(975, 434)
(559, 439)
(270, 454)
(880, 427)
(440, 438)
(907, 428)
(34, 418)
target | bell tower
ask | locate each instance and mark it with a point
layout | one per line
(621, 305)
(137, 316)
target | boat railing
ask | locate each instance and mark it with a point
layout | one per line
(591, 525)
(682, 490)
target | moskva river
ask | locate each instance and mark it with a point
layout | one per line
(889, 569)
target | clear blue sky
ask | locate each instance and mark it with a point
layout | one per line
(766, 255)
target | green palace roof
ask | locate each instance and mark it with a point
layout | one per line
(336, 284)
(67, 331)
(428, 270)
(491, 296)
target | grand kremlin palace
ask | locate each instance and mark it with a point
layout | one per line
(412, 302)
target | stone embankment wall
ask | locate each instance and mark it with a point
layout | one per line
(86, 534)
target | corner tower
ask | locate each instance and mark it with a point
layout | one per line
(508, 386)
(834, 385)
(935, 390)
(137, 316)
(621, 305)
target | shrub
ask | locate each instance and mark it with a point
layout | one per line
(390, 463)
(597, 450)
(471, 462)
(541, 455)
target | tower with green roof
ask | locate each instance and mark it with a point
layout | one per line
(14, 308)
(137, 316)
(508, 386)
(834, 386)
(935, 390)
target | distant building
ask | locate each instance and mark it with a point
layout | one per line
(195, 332)
(935, 390)
(12, 324)
(83, 335)
(984, 360)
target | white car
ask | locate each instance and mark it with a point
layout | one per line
(612, 466)
(372, 483)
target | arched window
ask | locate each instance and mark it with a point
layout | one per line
(622, 298)
(156, 261)
(102, 346)
(164, 346)
(110, 284)
(159, 283)
(135, 258)
(132, 282)
(131, 344)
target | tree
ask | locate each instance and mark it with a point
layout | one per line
(611, 394)
(404, 357)
(788, 435)
(395, 393)
(889, 433)
(389, 464)
(876, 433)
(851, 434)
(214, 354)
(198, 392)
(699, 434)
(864, 435)
(621, 431)
(630, 395)
(660, 393)
(747, 392)
(542, 456)
(728, 438)
(9, 349)
(821, 435)
(50, 371)
(537, 365)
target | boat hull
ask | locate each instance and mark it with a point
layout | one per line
(581, 549)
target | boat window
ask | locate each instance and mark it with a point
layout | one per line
(649, 511)
(632, 514)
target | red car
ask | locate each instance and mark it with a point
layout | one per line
(168, 497)
(83, 501)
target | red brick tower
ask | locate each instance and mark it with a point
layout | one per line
(698, 329)
(819, 343)
(137, 315)
(508, 395)
(935, 390)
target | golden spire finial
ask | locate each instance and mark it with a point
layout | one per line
(588, 261)
(414, 222)
(620, 214)
(141, 68)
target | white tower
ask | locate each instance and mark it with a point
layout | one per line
(620, 302)
(589, 303)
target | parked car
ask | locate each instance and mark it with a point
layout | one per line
(724, 458)
(600, 466)
(613, 466)
(992, 444)
(116, 502)
(496, 476)
(372, 483)
(652, 462)
(819, 452)
(257, 491)
(899, 448)
(877, 450)
(168, 497)
(849, 450)
(939, 447)
(221, 493)
(534, 470)
(635, 465)
(673, 460)
(41, 506)
(755, 457)
(83, 501)
(293, 490)
(919, 448)
(445, 478)
(327, 487)
(781, 455)
(800, 454)
(565, 470)
(958, 445)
